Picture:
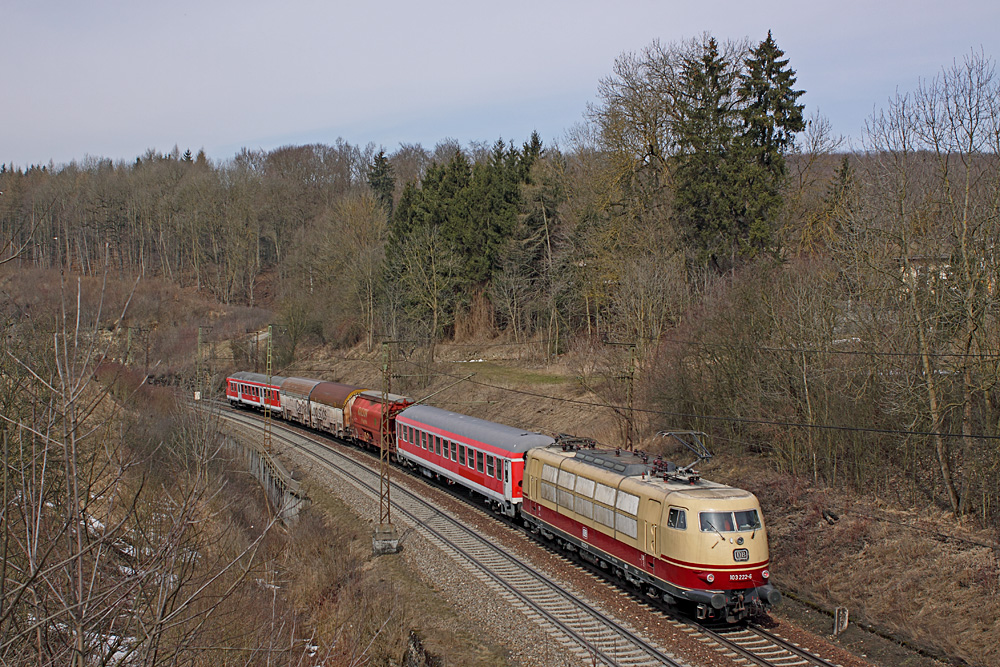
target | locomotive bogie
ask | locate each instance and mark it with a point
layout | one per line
(662, 529)
(608, 506)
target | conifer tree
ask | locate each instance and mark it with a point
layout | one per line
(771, 118)
(381, 180)
(707, 167)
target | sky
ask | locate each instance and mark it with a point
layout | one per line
(113, 79)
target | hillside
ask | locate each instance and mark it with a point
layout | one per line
(830, 547)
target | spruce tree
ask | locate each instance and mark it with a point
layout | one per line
(771, 118)
(381, 180)
(706, 168)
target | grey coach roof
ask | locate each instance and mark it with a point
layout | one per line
(505, 437)
(261, 378)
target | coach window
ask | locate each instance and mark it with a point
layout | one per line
(479, 461)
(461, 455)
(677, 519)
(422, 437)
(489, 465)
(437, 445)
(454, 451)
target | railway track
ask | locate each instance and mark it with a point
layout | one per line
(580, 628)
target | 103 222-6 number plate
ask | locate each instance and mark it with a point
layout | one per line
(741, 555)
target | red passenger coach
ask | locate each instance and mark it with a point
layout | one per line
(252, 390)
(483, 456)
(366, 415)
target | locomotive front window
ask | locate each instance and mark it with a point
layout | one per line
(729, 522)
(716, 522)
(747, 520)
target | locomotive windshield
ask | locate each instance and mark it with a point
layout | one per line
(729, 522)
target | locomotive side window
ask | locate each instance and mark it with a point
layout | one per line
(677, 519)
(605, 494)
(585, 487)
(626, 524)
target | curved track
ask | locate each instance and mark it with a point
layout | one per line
(581, 629)
(578, 626)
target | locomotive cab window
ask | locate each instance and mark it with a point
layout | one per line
(747, 520)
(730, 522)
(677, 519)
(717, 522)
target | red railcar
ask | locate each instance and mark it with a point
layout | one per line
(367, 411)
(253, 390)
(483, 456)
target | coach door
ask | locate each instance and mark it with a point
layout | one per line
(506, 480)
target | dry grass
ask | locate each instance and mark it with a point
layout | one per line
(915, 574)
(345, 593)
(889, 566)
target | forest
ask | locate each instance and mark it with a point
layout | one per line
(831, 308)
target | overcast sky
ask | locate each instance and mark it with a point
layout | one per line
(111, 78)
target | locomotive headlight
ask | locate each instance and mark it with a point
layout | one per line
(709, 577)
(765, 574)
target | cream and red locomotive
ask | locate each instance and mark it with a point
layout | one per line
(694, 543)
